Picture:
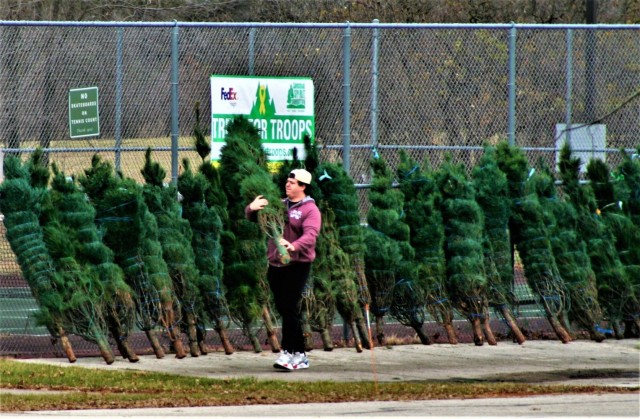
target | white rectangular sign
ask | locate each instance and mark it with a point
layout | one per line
(282, 108)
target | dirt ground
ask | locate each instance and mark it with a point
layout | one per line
(612, 362)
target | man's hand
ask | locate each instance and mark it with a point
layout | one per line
(287, 245)
(258, 203)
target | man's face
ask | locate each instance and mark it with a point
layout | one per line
(293, 190)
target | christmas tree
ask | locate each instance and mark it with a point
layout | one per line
(204, 205)
(21, 205)
(614, 287)
(206, 226)
(339, 270)
(628, 174)
(75, 214)
(531, 238)
(570, 254)
(426, 292)
(610, 191)
(422, 213)
(122, 212)
(492, 194)
(174, 235)
(244, 176)
(388, 253)
(82, 293)
(463, 226)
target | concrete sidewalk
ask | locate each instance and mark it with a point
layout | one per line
(615, 362)
(609, 363)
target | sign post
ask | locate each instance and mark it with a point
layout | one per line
(84, 119)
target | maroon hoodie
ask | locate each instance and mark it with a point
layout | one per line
(301, 228)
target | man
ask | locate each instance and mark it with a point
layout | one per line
(287, 282)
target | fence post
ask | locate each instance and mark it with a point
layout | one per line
(591, 44)
(252, 50)
(346, 108)
(374, 86)
(174, 104)
(568, 95)
(512, 85)
(118, 116)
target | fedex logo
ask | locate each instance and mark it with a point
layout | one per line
(229, 94)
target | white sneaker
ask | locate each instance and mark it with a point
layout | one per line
(299, 361)
(284, 361)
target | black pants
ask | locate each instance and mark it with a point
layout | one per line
(287, 284)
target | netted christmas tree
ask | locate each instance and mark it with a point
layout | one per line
(610, 191)
(492, 194)
(628, 172)
(571, 255)
(388, 253)
(338, 201)
(531, 238)
(244, 176)
(206, 226)
(122, 213)
(82, 293)
(70, 208)
(21, 205)
(423, 215)
(204, 205)
(427, 291)
(174, 235)
(614, 287)
(463, 226)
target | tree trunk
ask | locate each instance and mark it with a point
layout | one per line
(201, 333)
(488, 333)
(327, 342)
(66, 345)
(357, 343)
(445, 314)
(105, 351)
(560, 331)
(451, 333)
(478, 335)
(271, 332)
(518, 336)
(224, 339)
(255, 342)
(155, 343)
(192, 334)
(424, 339)
(365, 337)
(173, 329)
(121, 342)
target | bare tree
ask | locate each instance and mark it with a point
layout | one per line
(411, 11)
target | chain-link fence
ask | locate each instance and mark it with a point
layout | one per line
(429, 89)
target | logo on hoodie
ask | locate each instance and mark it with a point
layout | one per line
(297, 214)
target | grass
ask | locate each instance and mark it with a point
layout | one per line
(83, 388)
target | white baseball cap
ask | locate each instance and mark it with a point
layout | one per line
(301, 175)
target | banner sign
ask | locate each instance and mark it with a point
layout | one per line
(282, 108)
(84, 119)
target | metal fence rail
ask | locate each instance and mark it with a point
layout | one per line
(431, 89)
